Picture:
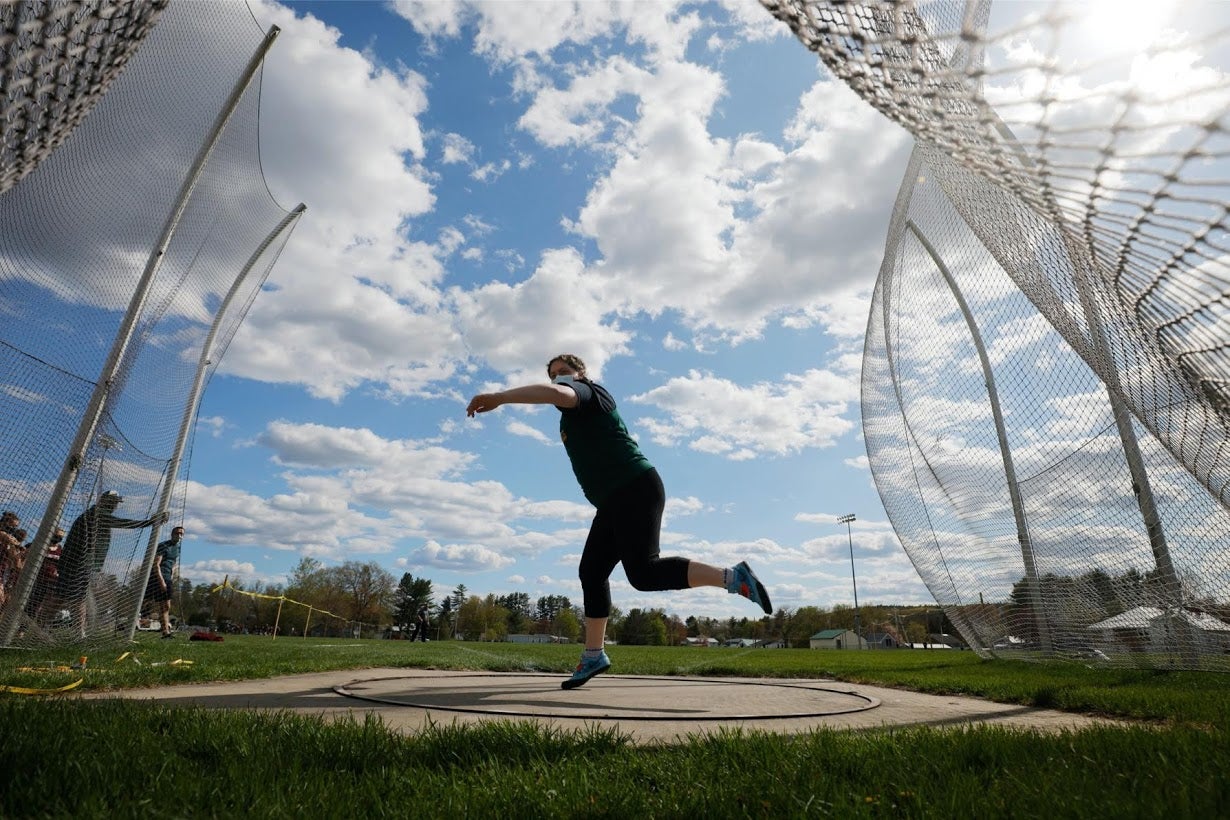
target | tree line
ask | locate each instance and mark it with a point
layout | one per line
(368, 600)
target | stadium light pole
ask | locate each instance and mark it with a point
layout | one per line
(858, 630)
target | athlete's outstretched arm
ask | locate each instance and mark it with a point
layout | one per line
(556, 394)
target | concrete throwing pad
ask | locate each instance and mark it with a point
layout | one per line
(610, 697)
(647, 709)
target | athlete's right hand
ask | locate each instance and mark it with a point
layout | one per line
(483, 403)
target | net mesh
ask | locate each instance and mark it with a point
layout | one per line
(56, 59)
(78, 236)
(1046, 383)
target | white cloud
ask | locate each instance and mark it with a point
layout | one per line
(213, 425)
(434, 18)
(858, 462)
(299, 521)
(490, 171)
(507, 325)
(578, 114)
(519, 428)
(214, 571)
(351, 299)
(460, 557)
(515, 32)
(317, 445)
(718, 416)
(456, 149)
(664, 217)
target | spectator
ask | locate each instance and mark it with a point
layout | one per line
(420, 626)
(161, 578)
(43, 595)
(12, 559)
(86, 548)
(9, 522)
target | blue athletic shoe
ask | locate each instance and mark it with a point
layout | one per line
(746, 583)
(586, 669)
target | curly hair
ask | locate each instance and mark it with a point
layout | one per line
(567, 358)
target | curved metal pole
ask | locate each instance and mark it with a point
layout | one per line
(908, 432)
(10, 618)
(1014, 492)
(190, 406)
(1084, 280)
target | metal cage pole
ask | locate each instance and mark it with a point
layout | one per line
(194, 398)
(1014, 491)
(1084, 280)
(892, 251)
(11, 617)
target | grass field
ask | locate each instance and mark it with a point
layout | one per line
(62, 756)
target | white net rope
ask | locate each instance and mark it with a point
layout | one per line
(56, 59)
(77, 236)
(1065, 208)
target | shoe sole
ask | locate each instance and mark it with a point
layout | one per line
(573, 683)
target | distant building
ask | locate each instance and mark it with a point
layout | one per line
(943, 639)
(741, 643)
(836, 639)
(521, 638)
(883, 640)
(1152, 628)
(701, 641)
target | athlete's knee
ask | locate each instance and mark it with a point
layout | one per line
(642, 576)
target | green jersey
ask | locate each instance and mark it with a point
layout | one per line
(604, 455)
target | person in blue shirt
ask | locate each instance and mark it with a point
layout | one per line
(629, 496)
(161, 578)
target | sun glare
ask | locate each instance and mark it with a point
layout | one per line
(1124, 25)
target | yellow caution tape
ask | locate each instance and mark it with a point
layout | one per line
(226, 584)
(22, 690)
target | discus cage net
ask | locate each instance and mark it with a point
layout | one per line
(1046, 375)
(136, 228)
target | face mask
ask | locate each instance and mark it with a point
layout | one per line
(564, 379)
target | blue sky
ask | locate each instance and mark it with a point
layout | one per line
(676, 192)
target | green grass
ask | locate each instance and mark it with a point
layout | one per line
(65, 757)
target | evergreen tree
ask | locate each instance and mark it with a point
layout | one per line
(459, 597)
(446, 617)
(549, 606)
(412, 593)
(519, 610)
(643, 628)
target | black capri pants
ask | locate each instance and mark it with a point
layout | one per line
(627, 528)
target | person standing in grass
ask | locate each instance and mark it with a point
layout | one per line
(420, 626)
(85, 551)
(629, 496)
(161, 578)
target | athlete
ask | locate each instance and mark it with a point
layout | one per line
(626, 490)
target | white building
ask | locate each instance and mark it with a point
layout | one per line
(836, 639)
(1153, 628)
